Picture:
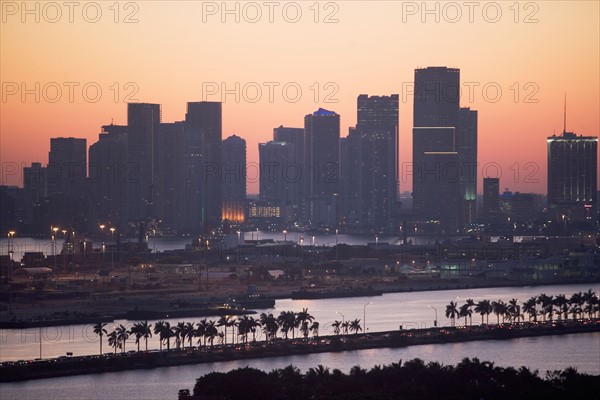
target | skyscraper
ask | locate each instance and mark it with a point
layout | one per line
(273, 160)
(572, 174)
(142, 128)
(108, 176)
(67, 165)
(203, 136)
(168, 177)
(466, 146)
(234, 179)
(294, 168)
(321, 164)
(377, 125)
(67, 203)
(491, 201)
(444, 142)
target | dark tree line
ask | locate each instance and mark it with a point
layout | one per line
(469, 379)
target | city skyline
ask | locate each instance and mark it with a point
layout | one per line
(545, 59)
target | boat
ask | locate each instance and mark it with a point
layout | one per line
(305, 294)
(251, 301)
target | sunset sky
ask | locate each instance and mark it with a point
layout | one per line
(373, 48)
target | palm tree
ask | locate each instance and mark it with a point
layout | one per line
(225, 322)
(200, 331)
(269, 326)
(355, 326)
(99, 329)
(211, 332)
(499, 308)
(589, 298)
(452, 312)
(345, 325)
(303, 318)
(113, 340)
(244, 327)
(547, 303)
(576, 301)
(529, 308)
(179, 333)
(146, 332)
(286, 322)
(465, 311)
(253, 323)
(190, 331)
(137, 332)
(483, 308)
(562, 305)
(336, 327)
(315, 329)
(122, 336)
(514, 309)
(158, 329)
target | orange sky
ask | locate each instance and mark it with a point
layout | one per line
(373, 48)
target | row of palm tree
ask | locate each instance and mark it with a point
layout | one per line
(206, 331)
(343, 327)
(546, 306)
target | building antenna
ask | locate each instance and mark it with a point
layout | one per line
(565, 116)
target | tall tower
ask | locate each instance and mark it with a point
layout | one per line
(321, 164)
(142, 128)
(491, 197)
(234, 179)
(444, 146)
(377, 127)
(572, 174)
(203, 136)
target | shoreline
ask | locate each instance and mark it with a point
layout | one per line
(71, 366)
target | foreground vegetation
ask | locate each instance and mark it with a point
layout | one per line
(470, 379)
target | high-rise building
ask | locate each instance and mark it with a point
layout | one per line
(34, 181)
(67, 165)
(466, 147)
(203, 136)
(67, 204)
(377, 125)
(234, 179)
(168, 177)
(109, 176)
(491, 193)
(273, 160)
(294, 168)
(572, 174)
(441, 128)
(142, 128)
(321, 164)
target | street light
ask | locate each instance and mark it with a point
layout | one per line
(112, 253)
(284, 235)
(435, 321)
(365, 316)
(336, 244)
(343, 318)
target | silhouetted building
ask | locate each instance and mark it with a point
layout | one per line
(109, 176)
(234, 179)
(321, 160)
(67, 165)
(572, 174)
(294, 169)
(273, 161)
(168, 178)
(441, 129)
(142, 128)
(370, 165)
(491, 193)
(35, 189)
(203, 136)
(466, 147)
